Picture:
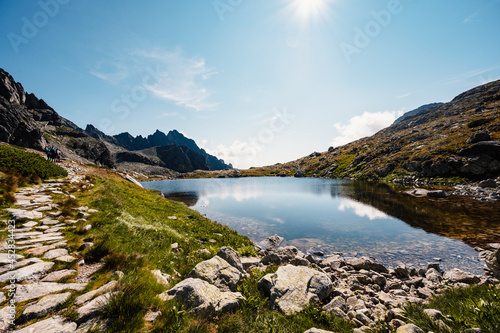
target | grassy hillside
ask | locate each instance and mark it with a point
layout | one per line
(19, 168)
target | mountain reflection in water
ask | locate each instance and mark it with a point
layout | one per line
(353, 217)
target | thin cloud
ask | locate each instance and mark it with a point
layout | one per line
(181, 80)
(110, 71)
(466, 76)
(364, 125)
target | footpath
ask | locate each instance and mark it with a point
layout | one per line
(37, 267)
(51, 287)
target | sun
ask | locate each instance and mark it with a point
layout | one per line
(307, 10)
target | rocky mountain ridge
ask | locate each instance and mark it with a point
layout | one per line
(458, 140)
(30, 122)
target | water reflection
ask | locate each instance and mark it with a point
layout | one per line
(356, 218)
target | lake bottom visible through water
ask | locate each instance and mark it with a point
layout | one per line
(319, 215)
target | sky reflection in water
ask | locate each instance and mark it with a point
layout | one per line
(317, 214)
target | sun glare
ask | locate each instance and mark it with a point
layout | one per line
(307, 10)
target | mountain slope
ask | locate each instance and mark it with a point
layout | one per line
(455, 139)
(29, 122)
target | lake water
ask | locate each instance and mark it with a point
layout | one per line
(329, 215)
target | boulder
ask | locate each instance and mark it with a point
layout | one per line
(317, 330)
(410, 328)
(218, 272)
(492, 260)
(232, 257)
(366, 263)
(458, 276)
(488, 183)
(299, 173)
(478, 137)
(292, 288)
(202, 297)
(160, 277)
(489, 148)
(281, 255)
(271, 242)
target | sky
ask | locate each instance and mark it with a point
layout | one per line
(255, 82)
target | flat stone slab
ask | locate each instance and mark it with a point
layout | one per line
(52, 325)
(45, 208)
(91, 294)
(4, 319)
(27, 272)
(19, 264)
(42, 228)
(58, 275)
(66, 258)
(42, 199)
(2, 297)
(45, 305)
(93, 307)
(4, 258)
(21, 214)
(42, 249)
(49, 221)
(51, 254)
(25, 292)
(54, 229)
(25, 235)
(30, 224)
(42, 239)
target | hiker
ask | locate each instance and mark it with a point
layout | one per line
(47, 151)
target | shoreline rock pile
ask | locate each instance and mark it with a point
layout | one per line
(356, 289)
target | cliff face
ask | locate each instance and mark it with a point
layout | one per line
(29, 122)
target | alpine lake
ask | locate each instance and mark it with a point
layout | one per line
(352, 218)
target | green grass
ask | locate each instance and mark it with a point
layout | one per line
(132, 233)
(19, 162)
(464, 308)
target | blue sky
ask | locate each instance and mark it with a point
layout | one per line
(255, 82)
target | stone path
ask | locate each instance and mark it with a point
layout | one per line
(40, 246)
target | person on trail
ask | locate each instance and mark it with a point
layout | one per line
(58, 155)
(47, 151)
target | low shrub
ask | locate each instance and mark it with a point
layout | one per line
(30, 165)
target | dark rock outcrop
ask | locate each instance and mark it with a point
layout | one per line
(160, 139)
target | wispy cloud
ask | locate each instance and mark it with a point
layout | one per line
(480, 72)
(171, 114)
(364, 125)
(110, 71)
(182, 79)
(169, 75)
